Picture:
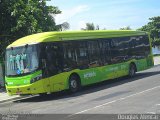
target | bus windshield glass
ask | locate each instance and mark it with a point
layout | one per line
(21, 60)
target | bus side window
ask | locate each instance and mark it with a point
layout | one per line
(139, 47)
(145, 40)
(94, 53)
(51, 60)
(114, 51)
(105, 51)
(82, 55)
(120, 49)
(70, 56)
(123, 48)
(54, 58)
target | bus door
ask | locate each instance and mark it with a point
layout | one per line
(54, 66)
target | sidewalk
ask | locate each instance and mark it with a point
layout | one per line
(4, 97)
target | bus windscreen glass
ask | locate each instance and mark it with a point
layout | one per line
(21, 60)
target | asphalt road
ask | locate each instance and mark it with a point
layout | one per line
(124, 95)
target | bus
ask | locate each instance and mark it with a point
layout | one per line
(55, 61)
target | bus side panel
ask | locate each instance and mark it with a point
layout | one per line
(150, 61)
(99, 74)
(141, 64)
(59, 82)
(115, 71)
(123, 69)
(110, 72)
(90, 76)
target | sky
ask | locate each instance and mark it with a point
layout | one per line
(108, 14)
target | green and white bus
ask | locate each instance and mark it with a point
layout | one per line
(55, 61)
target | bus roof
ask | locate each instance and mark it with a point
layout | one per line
(72, 35)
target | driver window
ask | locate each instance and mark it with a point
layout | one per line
(54, 60)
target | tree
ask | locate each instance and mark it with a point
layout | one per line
(97, 27)
(91, 26)
(23, 17)
(63, 26)
(153, 27)
(126, 28)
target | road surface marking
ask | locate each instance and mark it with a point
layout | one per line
(98, 106)
(151, 113)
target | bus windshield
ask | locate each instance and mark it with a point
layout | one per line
(21, 60)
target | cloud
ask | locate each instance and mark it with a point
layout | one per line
(122, 2)
(70, 13)
(134, 17)
(81, 24)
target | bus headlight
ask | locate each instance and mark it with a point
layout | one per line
(36, 78)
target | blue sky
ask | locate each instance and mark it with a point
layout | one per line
(109, 14)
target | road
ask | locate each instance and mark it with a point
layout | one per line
(124, 95)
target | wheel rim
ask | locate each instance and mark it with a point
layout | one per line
(74, 84)
(132, 71)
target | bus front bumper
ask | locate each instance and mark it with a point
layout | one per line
(25, 89)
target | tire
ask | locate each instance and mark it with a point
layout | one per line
(132, 70)
(74, 84)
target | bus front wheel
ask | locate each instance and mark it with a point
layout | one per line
(132, 70)
(74, 83)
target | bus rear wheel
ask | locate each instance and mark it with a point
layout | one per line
(132, 70)
(74, 84)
